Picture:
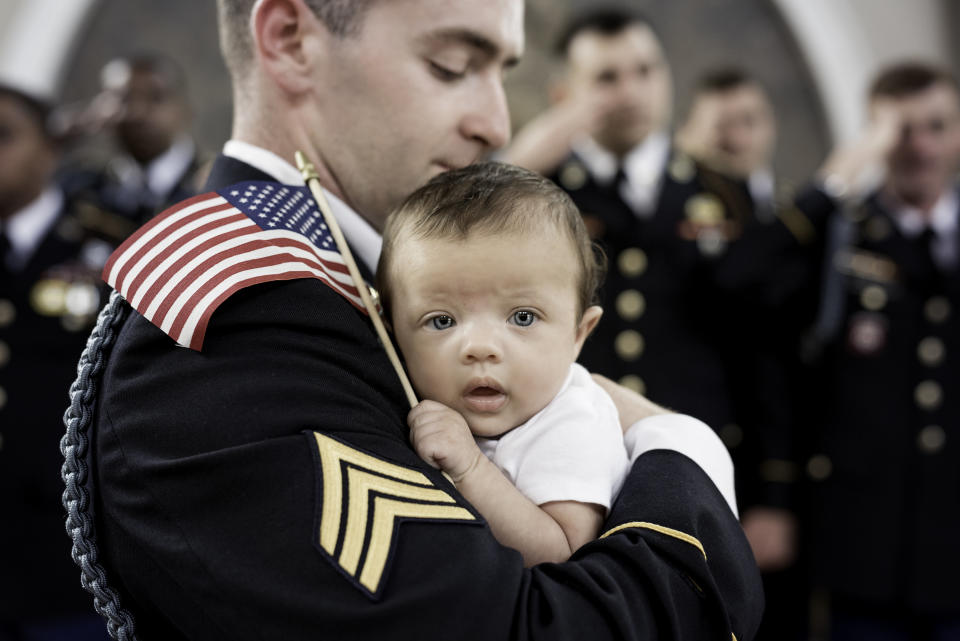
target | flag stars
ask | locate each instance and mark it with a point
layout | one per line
(234, 193)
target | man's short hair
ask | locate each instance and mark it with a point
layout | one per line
(723, 80)
(608, 20)
(910, 78)
(38, 109)
(342, 18)
(491, 198)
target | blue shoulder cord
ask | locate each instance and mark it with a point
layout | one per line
(73, 446)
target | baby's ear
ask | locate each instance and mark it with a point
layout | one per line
(591, 316)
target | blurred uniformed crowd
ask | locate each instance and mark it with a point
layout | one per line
(813, 327)
(74, 183)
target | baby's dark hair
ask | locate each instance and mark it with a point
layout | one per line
(490, 198)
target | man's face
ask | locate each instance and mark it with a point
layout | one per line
(417, 91)
(27, 158)
(153, 114)
(927, 156)
(630, 69)
(488, 326)
(743, 129)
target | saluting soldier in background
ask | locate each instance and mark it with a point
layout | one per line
(134, 154)
(730, 129)
(886, 463)
(49, 296)
(606, 141)
(693, 271)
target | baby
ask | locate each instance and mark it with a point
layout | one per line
(488, 278)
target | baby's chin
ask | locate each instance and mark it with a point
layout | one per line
(493, 426)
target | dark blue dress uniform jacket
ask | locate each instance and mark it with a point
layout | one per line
(40, 342)
(886, 455)
(701, 305)
(214, 501)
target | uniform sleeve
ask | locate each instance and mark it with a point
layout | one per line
(265, 489)
(690, 437)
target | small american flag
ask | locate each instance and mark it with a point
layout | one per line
(179, 267)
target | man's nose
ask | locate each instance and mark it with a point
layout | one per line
(488, 118)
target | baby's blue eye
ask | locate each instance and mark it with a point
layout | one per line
(442, 322)
(524, 318)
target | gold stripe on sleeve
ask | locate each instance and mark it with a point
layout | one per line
(677, 534)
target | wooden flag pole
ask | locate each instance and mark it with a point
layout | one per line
(312, 179)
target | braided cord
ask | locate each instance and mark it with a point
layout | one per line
(73, 446)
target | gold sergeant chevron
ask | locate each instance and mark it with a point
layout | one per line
(375, 499)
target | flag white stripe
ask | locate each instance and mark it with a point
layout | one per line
(186, 334)
(162, 244)
(307, 251)
(154, 231)
(211, 275)
(152, 277)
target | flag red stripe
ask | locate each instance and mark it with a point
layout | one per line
(135, 236)
(253, 244)
(196, 342)
(151, 268)
(184, 312)
(140, 253)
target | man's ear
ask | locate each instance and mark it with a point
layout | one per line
(591, 316)
(282, 34)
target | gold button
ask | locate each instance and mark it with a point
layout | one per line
(573, 176)
(631, 305)
(3, 397)
(4, 353)
(937, 310)
(49, 296)
(820, 467)
(731, 435)
(931, 439)
(931, 351)
(635, 383)
(629, 345)
(7, 312)
(873, 298)
(928, 395)
(632, 262)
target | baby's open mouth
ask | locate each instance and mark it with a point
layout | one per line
(484, 397)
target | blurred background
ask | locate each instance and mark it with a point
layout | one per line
(814, 56)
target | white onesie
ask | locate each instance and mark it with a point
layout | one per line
(571, 450)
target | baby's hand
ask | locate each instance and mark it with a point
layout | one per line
(441, 437)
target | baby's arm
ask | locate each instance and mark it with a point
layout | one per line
(551, 532)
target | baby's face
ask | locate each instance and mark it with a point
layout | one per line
(489, 325)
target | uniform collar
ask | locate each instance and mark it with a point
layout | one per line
(169, 168)
(161, 175)
(643, 165)
(364, 240)
(643, 169)
(27, 228)
(942, 219)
